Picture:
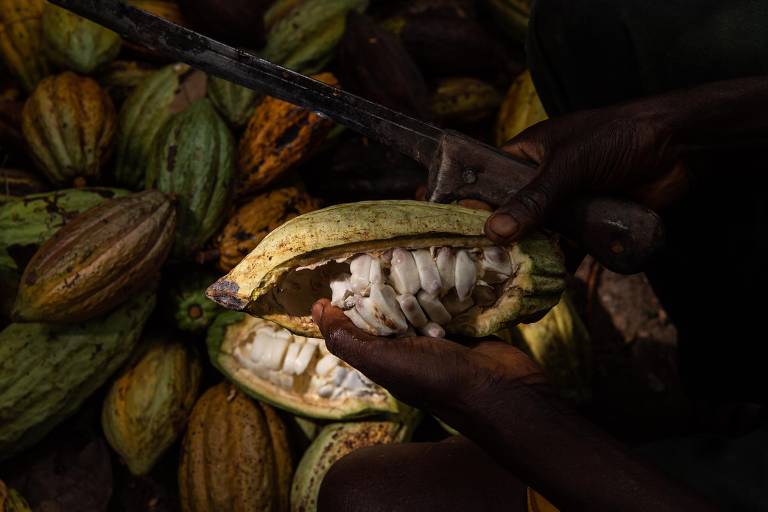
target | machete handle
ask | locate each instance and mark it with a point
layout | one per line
(622, 235)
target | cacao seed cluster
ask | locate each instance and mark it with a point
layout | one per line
(130, 184)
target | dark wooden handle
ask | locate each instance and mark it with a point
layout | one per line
(622, 235)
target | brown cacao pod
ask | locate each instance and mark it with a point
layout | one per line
(147, 407)
(98, 260)
(21, 40)
(69, 123)
(279, 136)
(256, 219)
(235, 456)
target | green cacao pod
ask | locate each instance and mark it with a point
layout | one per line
(307, 258)
(334, 442)
(465, 100)
(293, 373)
(279, 10)
(187, 303)
(73, 42)
(148, 405)
(47, 371)
(142, 116)
(98, 260)
(193, 159)
(121, 77)
(12, 501)
(234, 102)
(14, 182)
(521, 109)
(21, 40)
(235, 456)
(69, 123)
(26, 225)
(304, 40)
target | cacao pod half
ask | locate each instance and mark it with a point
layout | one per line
(306, 256)
(334, 442)
(47, 371)
(465, 100)
(21, 40)
(75, 43)
(521, 109)
(279, 136)
(147, 407)
(69, 124)
(187, 305)
(235, 456)
(12, 501)
(304, 40)
(292, 372)
(256, 219)
(234, 102)
(98, 260)
(193, 159)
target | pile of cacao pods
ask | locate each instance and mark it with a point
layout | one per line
(130, 184)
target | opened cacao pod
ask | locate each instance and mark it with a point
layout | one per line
(69, 123)
(21, 42)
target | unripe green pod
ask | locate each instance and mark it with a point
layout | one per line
(234, 102)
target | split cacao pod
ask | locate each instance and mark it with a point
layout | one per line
(149, 403)
(465, 100)
(256, 219)
(187, 304)
(12, 501)
(235, 456)
(521, 109)
(305, 39)
(21, 42)
(48, 371)
(193, 159)
(75, 43)
(98, 260)
(234, 102)
(279, 137)
(69, 123)
(239, 22)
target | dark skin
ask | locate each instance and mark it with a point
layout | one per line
(493, 393)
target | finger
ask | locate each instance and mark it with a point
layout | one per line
(527, 145)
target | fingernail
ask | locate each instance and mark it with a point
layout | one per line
(503, 225)
(317, 312)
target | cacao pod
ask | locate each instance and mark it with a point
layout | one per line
(193, 158)
(27, 224)
(21, 40)
(14, 182)
(305, 258)
(465, 100)
(256, 219)
(69, 124)
(394, 81)
(188, 305)
(98, 260)
(12, 501)
(305, 39)
(147, 407)
(234, 102)
(142, 116)
(238, 22)
(279, 10)
(47, 371)
(334, 442)
(279, 136)
(120, 77)
(292, 372)
(75, 43)
(511, 15)
(521, 109)
(235, 456)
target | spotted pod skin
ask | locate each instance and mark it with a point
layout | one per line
(69, 124)
(21, 40)
(235, 456)
(47, 371)
(98, 260)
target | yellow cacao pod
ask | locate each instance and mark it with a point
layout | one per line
(521, 109)
(21, 40)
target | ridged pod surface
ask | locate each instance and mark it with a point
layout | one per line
(234, 102)
(279, 136)
(193, 159)
(149, 403)
(465, 100)
(75, 43)
(141, 117)
(521, 109)
(12, 501)
(235, 456)
(48, 371)
(69, 123)
(313, 240)
(21, 43)
(305, 38)
(334, 442)
(256, 219)
(98, 260)
(120, 77)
